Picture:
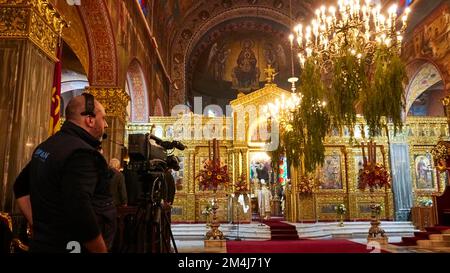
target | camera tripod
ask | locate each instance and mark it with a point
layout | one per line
(151, 229)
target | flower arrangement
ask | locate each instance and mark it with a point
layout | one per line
(306, 184)
(208, 209)
(340, 209)
(373, 176)
(376, 208)
(240, 187)
(425, 202)
(213, 175)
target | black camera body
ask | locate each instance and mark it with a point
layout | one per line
(149, 159)
(149, 148)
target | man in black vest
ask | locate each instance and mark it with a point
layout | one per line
(67, 182)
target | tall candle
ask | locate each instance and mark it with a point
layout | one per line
(374, 152)
(217, 150)
(214, 149)
(364, 153)
(209, 149)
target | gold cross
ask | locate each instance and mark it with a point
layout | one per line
(270, 73)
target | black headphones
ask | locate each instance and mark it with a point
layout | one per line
(89, 107)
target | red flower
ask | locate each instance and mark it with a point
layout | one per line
(241, 185)
(374, 176)
(212, 175)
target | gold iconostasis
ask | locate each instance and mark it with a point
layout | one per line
(335, 182)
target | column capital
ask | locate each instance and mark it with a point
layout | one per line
(114, 99)
(35, 20)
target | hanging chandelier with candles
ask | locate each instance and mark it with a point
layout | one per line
(350, 28)
(357, 49)
(350, 62)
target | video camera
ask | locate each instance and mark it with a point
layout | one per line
(151, 186)
(151, 152)
(151, 159)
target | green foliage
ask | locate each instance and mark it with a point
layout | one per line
(348, 79)
(315, 119)
(385, 97)
(378, 90)
(304, 136)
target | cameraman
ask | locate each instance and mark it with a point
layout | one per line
(67, 182)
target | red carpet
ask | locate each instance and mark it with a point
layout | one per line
(297, 246)
(281, 231)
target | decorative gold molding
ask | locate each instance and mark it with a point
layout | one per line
(36, 20)
(446, 101)
(115, 100)
(260, 97)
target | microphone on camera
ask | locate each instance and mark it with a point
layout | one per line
(156, 139)
(104, 136)
(178, 145)
(168, 144)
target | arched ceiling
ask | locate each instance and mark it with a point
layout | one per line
(214, 64)
(74, 36)
(205, 15)
(187, 14)
(426, 76)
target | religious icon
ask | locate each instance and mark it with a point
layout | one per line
(330, 173)
(423, 171)
(178, 175)
(169, 132)
(245, 75)
(359, 166)
(217, 59)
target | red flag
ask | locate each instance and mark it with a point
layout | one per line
(56, 94)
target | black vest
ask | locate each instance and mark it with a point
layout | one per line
(48, 160)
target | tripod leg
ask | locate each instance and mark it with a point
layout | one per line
(171, 234)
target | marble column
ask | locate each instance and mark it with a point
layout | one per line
(29, 31)
(115, 101)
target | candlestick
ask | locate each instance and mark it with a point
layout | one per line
(364, 154)
(217, 151)
(209, 149)
(374, 152)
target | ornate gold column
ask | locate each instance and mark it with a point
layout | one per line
(29, 31)
(190, 174)
(115, 101)
(189, 169)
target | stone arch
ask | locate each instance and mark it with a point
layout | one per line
(103, 64)
(137, 87)
(159, 110)
(424, 75)
(186, 40)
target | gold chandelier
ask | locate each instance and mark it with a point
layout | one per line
(358, 29)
